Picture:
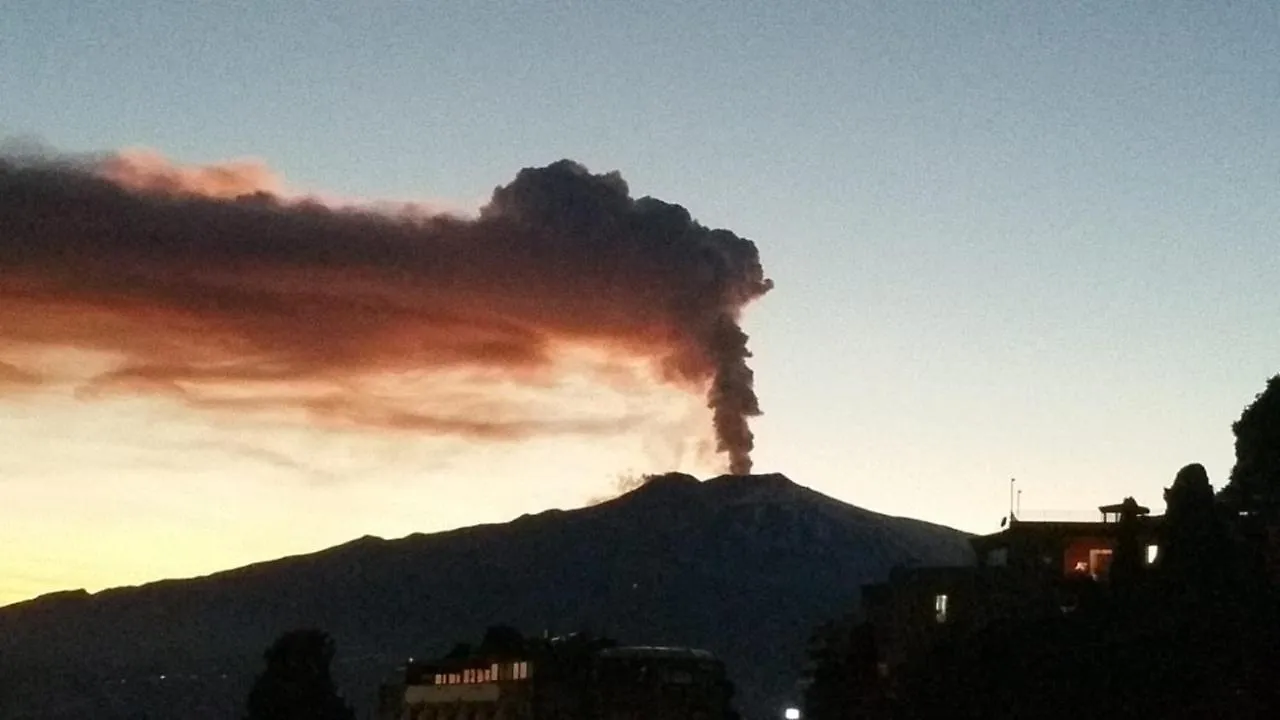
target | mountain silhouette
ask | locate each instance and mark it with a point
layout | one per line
(744, 566)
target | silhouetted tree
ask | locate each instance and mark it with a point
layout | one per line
(296, 684)
(1197, 554)
(1129, 560)
(1255, 478)
(460, 651)
(501, 641)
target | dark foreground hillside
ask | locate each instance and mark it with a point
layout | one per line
(742, 566)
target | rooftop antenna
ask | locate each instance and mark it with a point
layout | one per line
(1012, 507)
(1018, 504)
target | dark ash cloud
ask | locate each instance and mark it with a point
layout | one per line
(210, 285)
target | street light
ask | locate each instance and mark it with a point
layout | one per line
(791, 713)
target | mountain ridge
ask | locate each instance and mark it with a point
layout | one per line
(77, 594)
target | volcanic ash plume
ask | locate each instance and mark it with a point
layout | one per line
(210, 285)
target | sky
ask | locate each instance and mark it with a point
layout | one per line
(1007, 240)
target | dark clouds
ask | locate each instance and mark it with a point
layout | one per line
(209, 285)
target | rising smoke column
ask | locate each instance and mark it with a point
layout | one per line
(211, 285)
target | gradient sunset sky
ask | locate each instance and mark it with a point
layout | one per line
(1009, 239)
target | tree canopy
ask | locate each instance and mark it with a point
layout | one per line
(296, 684)
(1255, 478)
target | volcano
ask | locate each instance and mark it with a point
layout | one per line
(744, 566)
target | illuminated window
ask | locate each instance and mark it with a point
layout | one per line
(1153, 551)
(1099, 562)
(940, 608)
(493, 671)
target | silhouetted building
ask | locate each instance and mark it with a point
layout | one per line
(636, 683)
(1029, 569)
(1054, 550)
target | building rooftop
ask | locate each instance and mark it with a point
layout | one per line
(656, 652)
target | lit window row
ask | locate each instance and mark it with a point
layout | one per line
(493, 673)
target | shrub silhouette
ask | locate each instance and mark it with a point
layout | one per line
(296, 683)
